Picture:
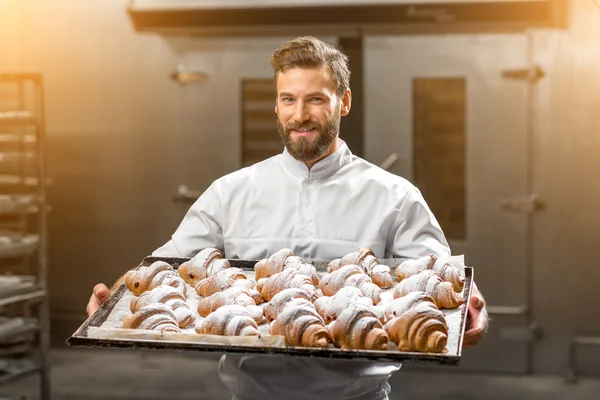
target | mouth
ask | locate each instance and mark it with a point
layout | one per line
(303, 132)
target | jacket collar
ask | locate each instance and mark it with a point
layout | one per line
(322, 169)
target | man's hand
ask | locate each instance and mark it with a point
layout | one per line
(99, 296)
(477, 320)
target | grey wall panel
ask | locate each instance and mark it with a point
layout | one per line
(566, 178)
(496, 156)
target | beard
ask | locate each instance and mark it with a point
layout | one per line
(310, 148)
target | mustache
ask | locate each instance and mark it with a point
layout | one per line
(304, 125)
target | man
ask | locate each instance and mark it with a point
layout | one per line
(320, 201)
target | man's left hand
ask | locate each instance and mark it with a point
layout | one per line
(477, 320)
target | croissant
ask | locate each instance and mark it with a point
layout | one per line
(138, 280)
(300, 324)
(358, 328)
(284, 259)
(170, 278)
(224, 279)
(203, 265)
(400, 305)
(440, 266)
(365, 258)
(156, 317)
(169, 296)
(229, 320)
(272, 265)
(274, 307)
(239, 296)
(350, 275)
(331, 307)
(427, 281)
(289, 278)
(416, 324)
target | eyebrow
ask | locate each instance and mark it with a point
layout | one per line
(286, 94)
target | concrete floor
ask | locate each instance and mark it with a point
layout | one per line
(96, 374)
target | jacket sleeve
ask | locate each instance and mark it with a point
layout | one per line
(415, 232)
(199, 229)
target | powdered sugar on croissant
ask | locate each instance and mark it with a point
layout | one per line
(330, 307)
(300, 324)
(203, 265)
(274, 307)
(239, 296)
(284, 259)
(365, 258)
(358, 328)
(350, 275)
(439, 265)
(416, 324)
(222, 280)
(139, 279)
(169, 296)
(229, 320)
(289, 278)
(427, 281)
(156, 317)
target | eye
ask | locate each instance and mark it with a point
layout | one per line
(317, 99)
(287, 100)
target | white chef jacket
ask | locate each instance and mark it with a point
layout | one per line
(342, 203)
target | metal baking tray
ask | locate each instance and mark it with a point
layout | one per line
(94, 333)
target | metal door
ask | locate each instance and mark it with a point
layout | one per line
(489, 224)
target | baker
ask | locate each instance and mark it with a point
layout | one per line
(321, 201)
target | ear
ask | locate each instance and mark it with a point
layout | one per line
(346, 103)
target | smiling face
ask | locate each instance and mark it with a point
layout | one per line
(309, 111)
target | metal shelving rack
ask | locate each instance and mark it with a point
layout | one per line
(24, 308)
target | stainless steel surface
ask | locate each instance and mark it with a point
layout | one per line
(525, 204)
(81, 338)
(497, 159)
(388, 162)
(183, 76)
(186, 195)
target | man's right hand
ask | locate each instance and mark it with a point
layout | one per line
(99, 296)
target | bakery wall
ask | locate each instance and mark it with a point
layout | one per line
(10, 35)
(122, 136)
(565, 175)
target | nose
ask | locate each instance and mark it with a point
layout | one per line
(301, 113)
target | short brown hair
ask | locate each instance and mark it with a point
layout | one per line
(310, 52)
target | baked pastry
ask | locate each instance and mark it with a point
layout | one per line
(139, 280)
(229, 320)
(222, 280)
(300, 324)
(203, 265)
(416, 324)
(350, 275)
(330, 307)
(365, 258)
(358, 328)
(239, 296)
(284, 259)
(155, 317)
(274, 307)
(443, 293)
(439, 265)
(289, 278)
(169, 296)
